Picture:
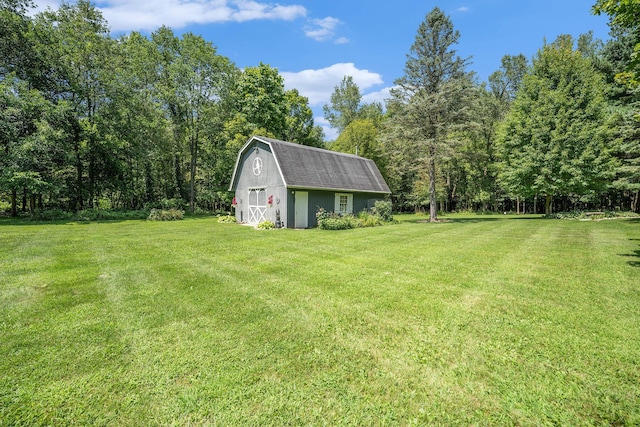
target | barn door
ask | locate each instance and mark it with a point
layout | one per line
(257, 205)
(302, 209)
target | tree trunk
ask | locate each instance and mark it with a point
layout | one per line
(79, 204)
(192, 171)
(548, 204)
(14, 203)
(92, 174)
(635, 202)
(433, 209)
(535, 204)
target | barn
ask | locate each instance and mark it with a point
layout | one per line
(287, 183)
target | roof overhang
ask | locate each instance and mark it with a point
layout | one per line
(338, 190)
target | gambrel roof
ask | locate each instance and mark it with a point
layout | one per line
(313, 168)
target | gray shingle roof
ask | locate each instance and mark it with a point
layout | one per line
(314, 168)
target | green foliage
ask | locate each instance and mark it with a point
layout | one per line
(334, 221)
(134, 120)
(299, 121)
(259, 96)
(165, 215)
(266, 225)
(384, 210)
(589, 215)
(369, 219)
(361, 137)
(86, 215)
(430, 101)
(227, 219)
(624, 15)
(555, 140)
(53, 215)
(345, 103)
(110, 215)
(337, 223)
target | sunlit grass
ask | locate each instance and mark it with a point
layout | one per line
(481, 320)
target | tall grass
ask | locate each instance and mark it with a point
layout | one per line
(481, 320)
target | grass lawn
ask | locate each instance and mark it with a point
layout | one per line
(484, 320)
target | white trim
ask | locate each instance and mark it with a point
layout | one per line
(273, 154)
(348, 203)
(257, 212)
(241, 153)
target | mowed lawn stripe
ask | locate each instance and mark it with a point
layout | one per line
(480, 320)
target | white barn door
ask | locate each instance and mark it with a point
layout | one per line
(257, 205)
(302, 209)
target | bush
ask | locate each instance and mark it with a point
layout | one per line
(589, 215)
(227, 219)
(50, 215)
(266, 225)
(383, 209)
(337, 223)
(4, 206)
(165, 215)
(109, 215)
(333, 221)
(367, 219)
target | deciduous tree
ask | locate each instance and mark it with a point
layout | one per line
(554, 140)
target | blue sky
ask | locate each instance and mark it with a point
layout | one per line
(314, 44)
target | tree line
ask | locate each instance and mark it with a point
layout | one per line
(558, 132)
(92, 121)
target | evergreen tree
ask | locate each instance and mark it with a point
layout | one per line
(432, 97)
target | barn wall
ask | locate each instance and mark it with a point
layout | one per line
(269, 179)
(326, 200)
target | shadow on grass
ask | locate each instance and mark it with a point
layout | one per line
(635, 254)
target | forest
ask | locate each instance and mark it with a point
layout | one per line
(92, 121)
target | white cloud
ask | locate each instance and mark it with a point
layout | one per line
(342, 40)
(317, 85)
(322, 29)
(127, 15)
(378, 96)
(462, 9)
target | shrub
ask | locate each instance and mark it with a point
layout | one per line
(109, 215)
(322, 214)
(581, 215)
(333, 221)
(165, 215)
(337, 223)
(50, 215)
(266, 225)
(383, 209)
(4, 206)
(367, 219)
(227, 219)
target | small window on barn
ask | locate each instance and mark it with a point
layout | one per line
(344, 203)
